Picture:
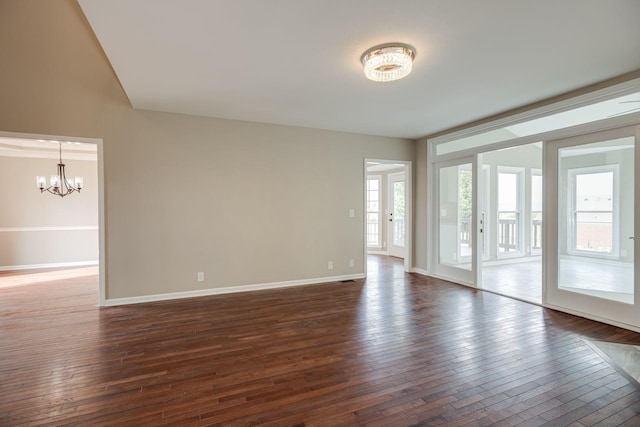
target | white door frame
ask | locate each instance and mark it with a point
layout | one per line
(101, 207)
(408, 218)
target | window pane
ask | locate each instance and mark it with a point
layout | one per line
(455, 204)
(507, 192)
(373, 212)
(594, 192)
(596, 219)
(536, 193)
(594, 232)
(586, 114)
(398, 209)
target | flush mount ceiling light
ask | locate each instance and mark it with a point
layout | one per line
(385, 63)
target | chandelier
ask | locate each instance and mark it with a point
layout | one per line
(59, 185)
(385, 63)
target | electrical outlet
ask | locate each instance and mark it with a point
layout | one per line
(351, 263)
(200, 276)
(330, 265)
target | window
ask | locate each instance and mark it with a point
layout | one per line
(509, 226)
(465, 203)
(618, 106)
(593, 215)
(373, 211)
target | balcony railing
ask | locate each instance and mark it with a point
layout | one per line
(536, 234)
(507, 234)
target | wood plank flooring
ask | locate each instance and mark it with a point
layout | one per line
(395, 350)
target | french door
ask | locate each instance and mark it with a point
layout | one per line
(396, 217)
(591, 205)
(454, 221)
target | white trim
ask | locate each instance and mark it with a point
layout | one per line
(50, 265)
(68, 155)
(228, 290)
(63, 228)
(102, 266)
(421, 271)
(593, 317)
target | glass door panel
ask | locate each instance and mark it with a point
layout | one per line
(454, 222)
(594, 203)
(590, 241)
(397, 235)
(455, 216)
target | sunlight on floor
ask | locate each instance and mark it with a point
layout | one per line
(18, 278)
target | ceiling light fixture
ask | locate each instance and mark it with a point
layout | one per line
(59, 185)
(388, 62)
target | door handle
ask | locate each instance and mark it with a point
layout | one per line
(632, 238)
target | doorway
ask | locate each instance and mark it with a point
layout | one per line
(388, 209)
(510, 198)
(45, 232)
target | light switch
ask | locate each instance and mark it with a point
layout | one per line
(352, 213)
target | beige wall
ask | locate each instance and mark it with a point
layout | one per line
(246, 203)
(38, 229)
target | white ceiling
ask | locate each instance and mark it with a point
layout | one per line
(297, 62)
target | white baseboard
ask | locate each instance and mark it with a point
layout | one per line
(227, 290)
(50, 265)
(592, 317)
(420, 271)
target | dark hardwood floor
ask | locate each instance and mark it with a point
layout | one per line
(395, 350)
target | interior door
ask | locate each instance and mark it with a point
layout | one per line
(455, 221)
(591, 208)
(396, 215)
